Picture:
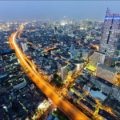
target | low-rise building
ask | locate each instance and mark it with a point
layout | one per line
(107, 73)
(96, 58)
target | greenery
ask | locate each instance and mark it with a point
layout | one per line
(57, 113)
(57, 80)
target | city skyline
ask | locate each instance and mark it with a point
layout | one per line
(21, 10)
(62, 69)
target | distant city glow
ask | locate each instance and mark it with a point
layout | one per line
(63, 23)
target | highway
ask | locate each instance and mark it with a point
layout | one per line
(66, 107)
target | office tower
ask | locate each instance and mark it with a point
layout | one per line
(110, 42)
(64, 72)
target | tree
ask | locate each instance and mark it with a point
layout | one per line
(57, 80)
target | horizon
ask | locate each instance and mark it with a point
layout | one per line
(56, 10)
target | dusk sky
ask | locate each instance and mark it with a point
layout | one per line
(15, 10)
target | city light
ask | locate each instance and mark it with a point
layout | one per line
(56, 67)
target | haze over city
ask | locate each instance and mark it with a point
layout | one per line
(59, 60)
(19, 10)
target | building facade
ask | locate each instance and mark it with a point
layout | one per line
(107, 73)
(96, 58)
(110, 44)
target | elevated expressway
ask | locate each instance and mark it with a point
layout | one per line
(66, 107)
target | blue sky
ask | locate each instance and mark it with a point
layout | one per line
(12, 10)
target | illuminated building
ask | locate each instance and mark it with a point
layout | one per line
(79, 66)
(110, 44)
(107, 73)
(91, 68)
(64, 72)
(96, 58)
(24, 46)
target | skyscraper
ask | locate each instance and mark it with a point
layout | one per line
(110, 43)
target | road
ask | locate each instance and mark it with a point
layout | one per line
(69, 109)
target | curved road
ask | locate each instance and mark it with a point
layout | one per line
(69, 109)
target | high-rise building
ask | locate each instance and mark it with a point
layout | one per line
(64, 72)
(110, 43)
